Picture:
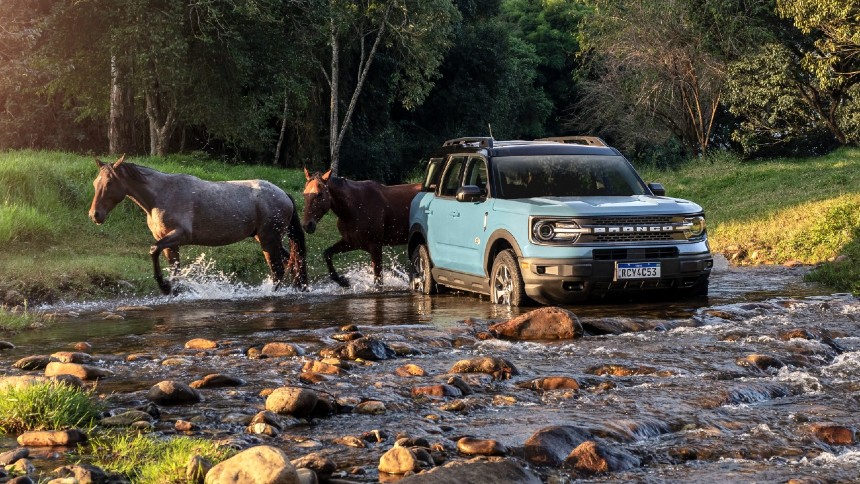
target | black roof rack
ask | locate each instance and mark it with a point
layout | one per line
(578, 140)
(482, 142)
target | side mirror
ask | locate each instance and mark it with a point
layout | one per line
(657, 189)
(469, 193)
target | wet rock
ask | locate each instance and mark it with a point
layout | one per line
(298, 402)
(217, 380)
(404, 441)
(312, 378)
(833, 434)
(82, 346)
(261, 428)
(270, 418)
(476, 471)
(499, 368)
(20, 381)
(592, 458)
(201, 344)
(281, 349)
(72, 357)
(348, 328)
(126, 418)
(307, 476)
(398, 460)
(10, 456)
(261, 464)
(139, 356)
(5, 345)
(196, 469)
(366, 348)
(344, 337)
(540, 324)
(184, 426)
(176, 361)
(20, 480)
(321, 465)
(456, 381)
(351, 441)
(550, 446)
(621, 370)
(34, 362)
(437, 391)
(48, 438)
(22, 467)
(315, 366)
(761, 362)
(371, 407)
(551, 383)
(171, 392)
(83, 473)
(84, 372)
(375, 436)
(471, 446)
(746, 393)
(410, 369)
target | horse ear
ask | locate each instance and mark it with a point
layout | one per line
(326, 175)
(99, 163)
(307, 175)
(119, 161)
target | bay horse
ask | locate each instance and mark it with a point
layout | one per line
(369, 216)
(185, 210)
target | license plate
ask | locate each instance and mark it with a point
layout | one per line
(636, 270)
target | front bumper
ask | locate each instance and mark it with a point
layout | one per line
(571, 280)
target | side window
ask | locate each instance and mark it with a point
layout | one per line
(451, 178)
(434, 173)
(476, 174)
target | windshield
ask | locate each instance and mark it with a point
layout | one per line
(565, 176)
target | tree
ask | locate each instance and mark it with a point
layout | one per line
(416, 32)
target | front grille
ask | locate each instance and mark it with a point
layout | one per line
(632, 221)
(635, 254)
(637, 220)
(636, 237)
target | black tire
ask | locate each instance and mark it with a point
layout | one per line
(420, 277)
(506, 281)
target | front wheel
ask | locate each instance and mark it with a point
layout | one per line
(420, 278)
(506, 281)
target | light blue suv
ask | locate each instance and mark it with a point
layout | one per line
(554, 220)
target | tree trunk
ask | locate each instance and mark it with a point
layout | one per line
(162, 122)
(121, 126)
(282, 134)
(334, 149)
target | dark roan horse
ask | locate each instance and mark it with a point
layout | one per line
(369, 216)
(185, 210)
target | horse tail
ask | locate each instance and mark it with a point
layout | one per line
(298, 249)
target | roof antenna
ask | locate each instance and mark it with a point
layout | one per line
(490, 126)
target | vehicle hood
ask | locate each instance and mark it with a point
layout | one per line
(599, 206)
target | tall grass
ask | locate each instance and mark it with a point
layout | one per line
(19, 318)
(47, 405)
(148, 459)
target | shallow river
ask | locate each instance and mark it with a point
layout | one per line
(672, 387)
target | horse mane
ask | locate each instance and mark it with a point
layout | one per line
(132, 171)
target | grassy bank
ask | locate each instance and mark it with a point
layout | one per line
(775, 211)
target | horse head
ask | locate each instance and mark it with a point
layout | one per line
(110, 189)
(317, 199)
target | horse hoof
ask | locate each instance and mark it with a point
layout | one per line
(340, 280)
(165, 288)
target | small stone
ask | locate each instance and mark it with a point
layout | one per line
(217, 380)
(353, 335)
(834, 434)
(351, 441)
(322, 367)
(470, 446)
(72, 357)
(10, 456)
(312, 378)
(126, 418)
(410, 370)
(371, 407)
(398, 460)
(298, 402)
(35, 362)
(281, 349)
(170, 392)
(82, 473)
(48, 438)
(5, 345)
(184, 426)
(499, 368)
(139, 356)
(201, 344)
(437, 391)
(82, 346)
(762, 362)
(175, 361)
(84, 372)
(196, 469)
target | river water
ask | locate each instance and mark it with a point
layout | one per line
(732, 388)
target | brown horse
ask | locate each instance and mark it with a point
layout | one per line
(369, 216)
(185, 210)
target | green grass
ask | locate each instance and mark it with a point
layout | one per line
(16, 319)
(775, 211)
(46, 405)
(144, 458)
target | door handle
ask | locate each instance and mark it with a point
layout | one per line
(428, 212)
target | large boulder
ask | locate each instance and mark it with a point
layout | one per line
(398, 460)
(298, 402)
(541, 324)
(365, 348)
(263, 464)
(476, 472)
(593, 458)
(550, 446)
(170, 392)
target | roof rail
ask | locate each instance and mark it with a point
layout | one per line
(577, 140)
(483, 142)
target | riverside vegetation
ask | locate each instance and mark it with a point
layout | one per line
(774, 211)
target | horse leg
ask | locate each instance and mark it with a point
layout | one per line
(298, 251)
(376, 262)
(273, 250)
(338, 247)
(168, 242)
(172, 255)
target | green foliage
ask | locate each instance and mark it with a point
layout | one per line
(46, 405)
(19, 318)
(149, 459)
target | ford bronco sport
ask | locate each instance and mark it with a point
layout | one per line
(554, 220)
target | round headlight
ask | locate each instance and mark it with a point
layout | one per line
(697, 228)
(544, 231)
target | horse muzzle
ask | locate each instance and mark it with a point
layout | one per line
(97, 216)
(310, 227)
